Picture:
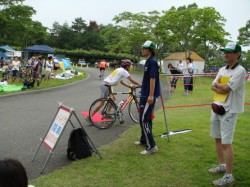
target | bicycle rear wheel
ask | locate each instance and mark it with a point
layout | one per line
(105, 115)
(134, 110)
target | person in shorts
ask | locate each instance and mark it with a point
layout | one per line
(230, 81)
(15, 68)
(48, 69)
(113, 79)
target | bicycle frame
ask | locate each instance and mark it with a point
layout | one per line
(109, 111)
(130, 97)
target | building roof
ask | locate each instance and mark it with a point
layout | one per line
(182, 56)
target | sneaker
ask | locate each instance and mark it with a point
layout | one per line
(139, 143)
(218, 169)
(150, 151)
(224, 181)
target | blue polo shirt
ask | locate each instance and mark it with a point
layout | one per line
(151, 70)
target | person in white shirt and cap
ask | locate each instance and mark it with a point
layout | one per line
(229, 81)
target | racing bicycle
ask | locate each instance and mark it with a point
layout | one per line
(109, 111)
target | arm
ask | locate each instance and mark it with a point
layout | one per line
(220, 88)
(131, 80)
(134, 81)
(151, 91)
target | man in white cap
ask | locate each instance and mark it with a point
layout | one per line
(229, 84)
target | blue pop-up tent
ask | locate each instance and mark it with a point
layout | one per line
(39, 49)
(3, 55)
(7, 48)
(66, 62)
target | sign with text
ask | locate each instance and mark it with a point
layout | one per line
(57, 127)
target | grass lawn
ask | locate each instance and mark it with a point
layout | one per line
(51, 83)
(182, 162)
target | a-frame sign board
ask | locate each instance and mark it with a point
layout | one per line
(55, 131)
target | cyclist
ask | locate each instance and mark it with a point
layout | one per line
(113, 80)
(102, 66)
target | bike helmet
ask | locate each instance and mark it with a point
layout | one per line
(125, 63)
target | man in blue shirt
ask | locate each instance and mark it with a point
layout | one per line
(149, 92)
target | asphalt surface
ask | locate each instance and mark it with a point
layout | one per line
(25, 117)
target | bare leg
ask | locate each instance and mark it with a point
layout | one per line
(219, 150)
(97, 108)
(229, 157)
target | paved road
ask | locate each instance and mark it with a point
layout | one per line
(24, 118)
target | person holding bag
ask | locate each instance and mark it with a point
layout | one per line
(229, 88)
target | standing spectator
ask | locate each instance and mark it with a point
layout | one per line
(230, 81)
(149, 92)
(188, 79)
(48, 69)
(56, 66)
(175, 78)
(180, 67)
(15, 68)
(1, 62)
(35, 64)
(12, 174)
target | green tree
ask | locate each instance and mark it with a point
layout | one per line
(244, 34)
(135, 29)
(92, 38)
(10, 2)
(192, 29)
(65, 37)
(79, 25)
(19, 29)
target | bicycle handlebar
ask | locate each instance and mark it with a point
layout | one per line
(133, 88)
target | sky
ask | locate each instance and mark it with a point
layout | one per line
(236, 13)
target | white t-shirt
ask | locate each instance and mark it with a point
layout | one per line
(15, 65)
(114, 77)
(235, 99)
(180, 67)
(188, 69)
(48, 66)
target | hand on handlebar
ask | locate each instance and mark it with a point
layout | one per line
(135, 86)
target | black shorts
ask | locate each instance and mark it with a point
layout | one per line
(102, 69)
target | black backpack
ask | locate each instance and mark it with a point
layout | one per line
(78, 145)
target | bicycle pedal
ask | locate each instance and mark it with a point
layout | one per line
(121, 122)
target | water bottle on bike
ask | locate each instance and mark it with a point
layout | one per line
(120, 104)
(119, 112)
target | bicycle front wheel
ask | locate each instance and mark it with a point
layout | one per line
(134, 110)
(102, 113)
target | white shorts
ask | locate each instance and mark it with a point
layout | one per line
(223, 126)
